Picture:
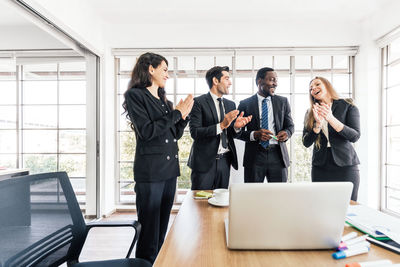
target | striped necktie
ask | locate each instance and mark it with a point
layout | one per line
(264, 121)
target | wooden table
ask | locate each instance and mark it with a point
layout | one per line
(197, 238)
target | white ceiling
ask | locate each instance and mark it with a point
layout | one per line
(9, 17)
(233, 11)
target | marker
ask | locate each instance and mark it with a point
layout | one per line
(274, 137)
(356, 240)
(356, 245)
(369, 263)
(349, 236)
(350, 252)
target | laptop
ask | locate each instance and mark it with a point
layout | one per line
(285, 216)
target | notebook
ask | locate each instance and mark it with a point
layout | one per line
(287, 215)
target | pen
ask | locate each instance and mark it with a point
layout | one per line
(274, 137)
(369, 263)
(356, 245)
(350, 252)
(349, 236)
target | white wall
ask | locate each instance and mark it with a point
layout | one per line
(27, 37)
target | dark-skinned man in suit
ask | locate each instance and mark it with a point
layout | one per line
(214, 122)
(266, 155)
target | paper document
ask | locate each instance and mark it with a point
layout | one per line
(373, 222)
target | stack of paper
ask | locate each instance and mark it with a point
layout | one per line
(375, 223)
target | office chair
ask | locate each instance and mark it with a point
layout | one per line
(41, 224)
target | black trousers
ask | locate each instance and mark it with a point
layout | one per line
(216, 177)
(154, 202)
(268, 164)
(330, 172)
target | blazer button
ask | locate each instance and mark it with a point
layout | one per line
(168, 157)
(166, 141)
(174, 140)
(176, 156)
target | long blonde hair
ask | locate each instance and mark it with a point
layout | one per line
(310, 121)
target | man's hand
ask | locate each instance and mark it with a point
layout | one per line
(262, 135)
(242, 121)
(282, 136)
(229, 117)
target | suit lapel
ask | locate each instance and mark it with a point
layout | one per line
(277, 119)
(211, 105)
(154, 100)
(255, 110)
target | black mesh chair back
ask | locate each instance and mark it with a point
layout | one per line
(41, 223)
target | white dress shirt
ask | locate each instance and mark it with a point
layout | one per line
(271, 122)
(221, 150)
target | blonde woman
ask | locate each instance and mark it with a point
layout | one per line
(332, 125)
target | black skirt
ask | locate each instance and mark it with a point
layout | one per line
(330, 172)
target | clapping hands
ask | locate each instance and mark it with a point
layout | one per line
(185, 106)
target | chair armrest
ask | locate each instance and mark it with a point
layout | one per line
(135, 224)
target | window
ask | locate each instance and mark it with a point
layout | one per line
(187, 71)
(391, 126)
(43, 119)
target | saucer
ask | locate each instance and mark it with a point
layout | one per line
(214, 202)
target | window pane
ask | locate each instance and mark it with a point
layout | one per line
(40, 163)
(8, 117)
(39, 92)
(302, 104)
(239, 98)
(126, 63)
(123, 84)
(321, 62)
(73, 71)
(37, 141)
(393, 178)
(283, 84)
(72, 141)
(201, 86)
(40, 72)
(126, 171)
(127, 193)
(184, 181)
(243, 85)
(341, 83)
(302, 83)
(185, 86)
(8, 92)
(185, 144)
(303, 62)
(394, 75)
(124, 123)
(72, 116)
(39, 116)
(302, 157)
(7, 72)
(393, 145)
(282, 62)
(392, 97)
(127, 146)
(72, 92)
(393, 200)
(244, 62)
(204, 62)
(8, 161)
(224, 61)
(8, 141)
(262, 61)
(79, 186)
(185, 63)
(169, 86)
(74, 165)
(341, 62)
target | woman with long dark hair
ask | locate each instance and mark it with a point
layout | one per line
(157, 126)
(332, 125)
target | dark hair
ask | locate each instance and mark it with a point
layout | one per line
(141, 77)
(261, 73)
(215, 72)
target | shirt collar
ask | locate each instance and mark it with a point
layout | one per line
(261, 98)
(215, 97)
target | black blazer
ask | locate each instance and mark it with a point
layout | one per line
(203, 120)
(283, 122)
(342, 150)
(157, 129)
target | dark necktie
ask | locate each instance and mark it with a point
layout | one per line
(264, 121)
(221, 118)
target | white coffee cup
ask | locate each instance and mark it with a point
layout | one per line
(221, 195)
